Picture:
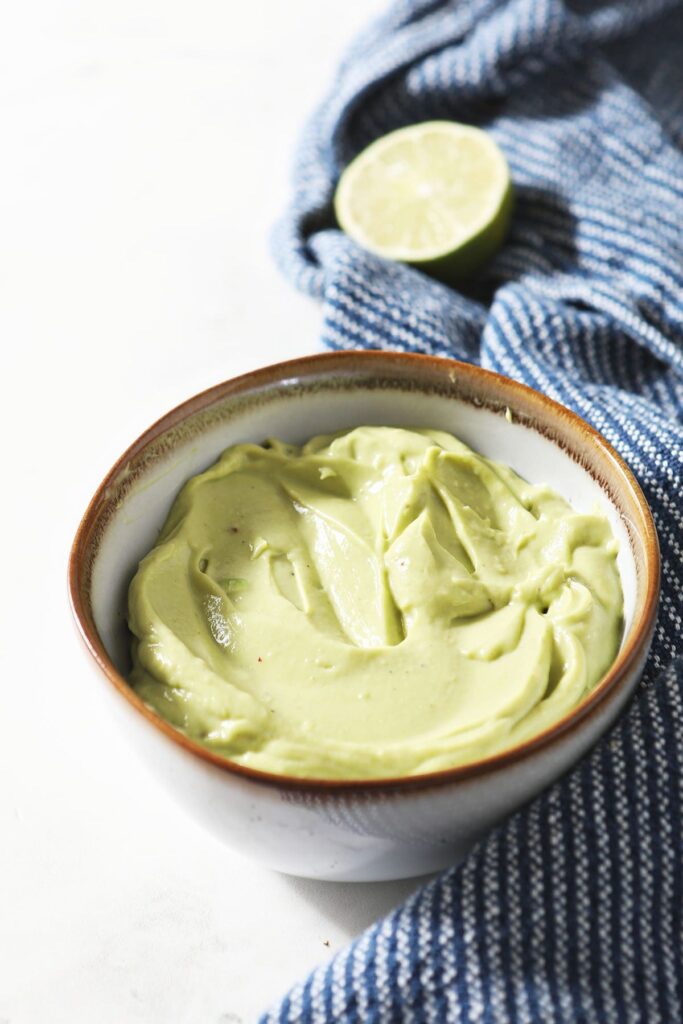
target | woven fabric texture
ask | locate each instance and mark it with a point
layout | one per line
(572, 910)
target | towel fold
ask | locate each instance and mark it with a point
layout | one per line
(572, 910)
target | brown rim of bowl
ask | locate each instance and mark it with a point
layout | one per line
(630, 654)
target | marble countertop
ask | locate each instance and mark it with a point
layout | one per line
(146, 154)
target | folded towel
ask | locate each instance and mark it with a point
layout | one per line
(572, 910)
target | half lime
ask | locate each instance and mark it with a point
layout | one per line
(437, 195)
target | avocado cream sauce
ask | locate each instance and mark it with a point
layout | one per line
(381, 602)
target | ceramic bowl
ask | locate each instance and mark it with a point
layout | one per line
(353, 830)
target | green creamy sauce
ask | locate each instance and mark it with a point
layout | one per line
(382, 602)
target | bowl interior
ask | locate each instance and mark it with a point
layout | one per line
(139, 495)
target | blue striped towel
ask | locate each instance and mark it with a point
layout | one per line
(572, 910)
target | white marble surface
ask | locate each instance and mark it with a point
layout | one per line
(146, 146)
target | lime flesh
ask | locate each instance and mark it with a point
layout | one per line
(437, 195)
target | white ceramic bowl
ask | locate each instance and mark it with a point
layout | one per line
(374, 829)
